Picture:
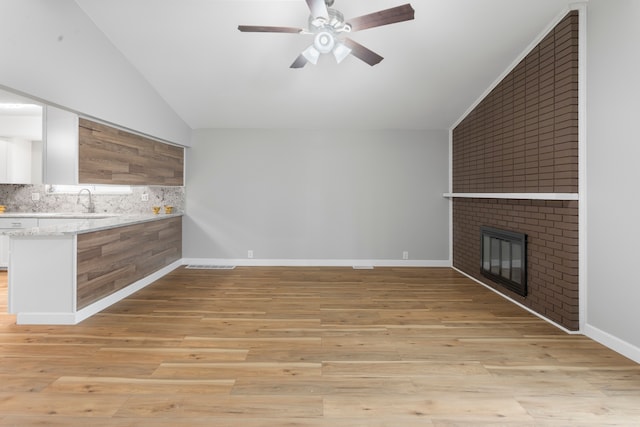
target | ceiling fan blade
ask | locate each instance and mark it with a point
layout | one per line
(383, 17)
(300, 62)
(318, 9)
(361, 52)
(267, 29)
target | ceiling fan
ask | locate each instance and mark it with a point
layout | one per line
(327, 26)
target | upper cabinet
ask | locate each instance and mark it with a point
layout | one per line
(55, 146)
(108, 155)
(61, 146)
(20, 140)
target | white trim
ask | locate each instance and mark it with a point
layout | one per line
(518, 304)
(582, 163)
(242, 262)
(513, 65)
(520, 196)
(98, 306)
(614, 343)
(23, 318)
(126, 129)
(450, 202)
(45, 319)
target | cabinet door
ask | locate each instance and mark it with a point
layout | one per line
(60, 147)
(114, 156)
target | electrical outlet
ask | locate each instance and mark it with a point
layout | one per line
(405, 255)
(249, 253)
(145, 197)
(35, 196)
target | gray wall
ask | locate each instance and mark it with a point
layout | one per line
(52, 51)
(317, 195)
(613, 152)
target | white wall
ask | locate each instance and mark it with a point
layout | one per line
(52, 51)
(613, 175)
(317, 195)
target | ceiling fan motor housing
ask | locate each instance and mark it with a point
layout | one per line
(334, 23)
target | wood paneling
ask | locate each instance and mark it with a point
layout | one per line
(111, 260)
(274, 347)
(113, 156)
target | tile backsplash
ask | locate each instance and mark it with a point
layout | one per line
(18, 198)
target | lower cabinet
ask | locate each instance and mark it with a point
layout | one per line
(63, 279)
(112, 259)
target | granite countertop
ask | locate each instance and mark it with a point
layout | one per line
(85, 223)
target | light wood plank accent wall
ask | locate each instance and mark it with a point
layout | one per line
(113, 156)
(112, 259)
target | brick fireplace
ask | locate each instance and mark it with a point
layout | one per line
(523, 138)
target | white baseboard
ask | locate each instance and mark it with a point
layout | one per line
(45, 319)
(98, 306)
(77, 317)
(614, 343)
(316, 262)
(518, 304)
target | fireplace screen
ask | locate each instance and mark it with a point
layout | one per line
(504, 258)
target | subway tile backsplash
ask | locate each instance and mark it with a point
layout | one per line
(18, 198)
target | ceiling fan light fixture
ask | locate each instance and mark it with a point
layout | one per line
(311, 54)
(340, 52)
(324, 42)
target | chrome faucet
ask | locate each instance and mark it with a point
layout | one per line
(91, 208)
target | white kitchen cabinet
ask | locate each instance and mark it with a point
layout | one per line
(60, 147)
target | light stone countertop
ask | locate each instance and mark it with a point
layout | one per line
(86, 223)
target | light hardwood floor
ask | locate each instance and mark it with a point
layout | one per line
(311, 347)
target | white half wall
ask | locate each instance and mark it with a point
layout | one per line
(613, 152)
(51, 51)
(317, 195)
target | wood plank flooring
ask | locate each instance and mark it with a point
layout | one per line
(262, 347)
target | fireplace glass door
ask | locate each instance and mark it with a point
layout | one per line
(504, 258)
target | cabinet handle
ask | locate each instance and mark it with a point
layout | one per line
(16, 225)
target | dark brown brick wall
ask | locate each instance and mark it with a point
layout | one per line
(552, 249)
(523, 138)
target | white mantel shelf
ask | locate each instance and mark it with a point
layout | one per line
(519, 196)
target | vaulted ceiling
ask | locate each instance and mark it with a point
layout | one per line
(214, 76)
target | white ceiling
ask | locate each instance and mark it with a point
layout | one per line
(214, 76)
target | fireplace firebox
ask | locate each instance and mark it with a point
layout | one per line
(504, 258)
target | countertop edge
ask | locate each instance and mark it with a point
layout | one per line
(87, 225)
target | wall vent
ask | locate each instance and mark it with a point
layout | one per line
(210, 267)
